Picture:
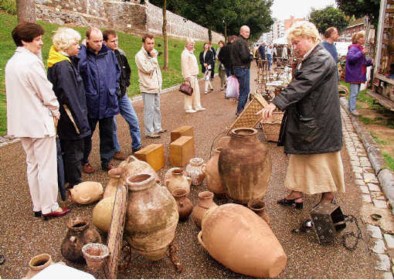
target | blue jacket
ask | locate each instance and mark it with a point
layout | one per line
(356, 65)
(101, 75)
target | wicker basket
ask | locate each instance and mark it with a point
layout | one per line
(271, 127)
(248, 117)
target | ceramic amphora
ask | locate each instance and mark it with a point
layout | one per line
(205, 202)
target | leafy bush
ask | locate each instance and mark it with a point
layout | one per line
(9, 6)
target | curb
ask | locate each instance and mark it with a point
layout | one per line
(385, 176)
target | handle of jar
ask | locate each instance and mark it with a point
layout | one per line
(199, 237)
(204, 168)
(189, 180)
(73, 239)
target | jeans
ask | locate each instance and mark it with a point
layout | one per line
(127, 112)
(152, 115)
(243, 76)
(269, 58)
(354, 91)
(107, 148)
(72, 157)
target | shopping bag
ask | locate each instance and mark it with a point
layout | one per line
(232, 90)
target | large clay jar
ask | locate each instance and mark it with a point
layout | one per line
(177, 179)
(102, 213)
(245, 166)
(38, 263)
(151, 218)
(242, 241)
(205, 201)
(194, 171)
(87, 192)
(258, 206)
(79, 233)
(211, 170)
(185, 206)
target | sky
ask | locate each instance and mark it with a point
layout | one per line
(283, 9)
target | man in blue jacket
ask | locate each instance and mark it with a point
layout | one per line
(100, 72)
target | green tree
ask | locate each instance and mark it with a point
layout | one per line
(361, 8)
(328, 17)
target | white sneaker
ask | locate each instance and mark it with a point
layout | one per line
(190, 111)
(355, 113)
(200, 109)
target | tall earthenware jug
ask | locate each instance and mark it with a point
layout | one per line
(245, 166)
(152, 216)
(211, 170)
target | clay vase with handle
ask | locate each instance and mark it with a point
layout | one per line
(185, 206)
(177, 179)
(205, 202)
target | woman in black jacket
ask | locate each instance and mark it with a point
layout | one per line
(68, 86)
(311, 129)
(206, 61)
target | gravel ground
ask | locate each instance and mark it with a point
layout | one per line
(23, 236)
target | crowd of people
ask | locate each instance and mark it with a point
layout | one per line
(86, 84)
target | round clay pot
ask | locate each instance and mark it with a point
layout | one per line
(185, 206)
(245, 166)
(177, 179)
(211, 170)
(79, 233)
(194, 171)
(242, 241)
(151, 218)
(95, 255)
(102, 213)
(258, 206)
(205, 202)
(38, 263)
(87, 192)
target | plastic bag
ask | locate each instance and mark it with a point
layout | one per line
(232, 90)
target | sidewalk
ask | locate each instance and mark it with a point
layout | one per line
(23, 236)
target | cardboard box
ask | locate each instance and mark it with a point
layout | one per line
(182, 131)
(181, 151)
(152, 154)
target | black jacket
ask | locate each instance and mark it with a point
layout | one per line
(125, 71)
(209, 59)
(69, 89)
(225, 56)
(240, 53)
(311, 102)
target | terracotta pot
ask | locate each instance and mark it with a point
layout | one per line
(177, 179)
(185, 206)
(242, 241)
(211, 170)
(87, 192)
(102, 213)
(152, 216)
(205, 202)
(194, 171)
(95, 255)
(38, 263)
(258, 206)
(245, 166)
(79, 233)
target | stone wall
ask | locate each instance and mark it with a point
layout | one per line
(130, 17)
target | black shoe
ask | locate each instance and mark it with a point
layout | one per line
(291, 202)
(37, 214)
(136, 149)
(107, 167)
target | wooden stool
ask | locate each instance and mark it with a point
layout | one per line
(181, 151)
(182, 131)
(152, 154)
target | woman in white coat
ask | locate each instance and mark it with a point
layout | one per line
(32, 115)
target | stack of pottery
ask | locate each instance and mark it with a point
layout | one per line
(245, 166)
(87, 192)
(194, 171)
(211, 170)
(152, 216)
(38, 263)
(205, 202)
(176, 178)
(79, 233)
(242, 241)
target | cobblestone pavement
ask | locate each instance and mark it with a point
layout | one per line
(22, 236)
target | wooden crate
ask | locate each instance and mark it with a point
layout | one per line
(152, 154)
(181, 151)
(271, 127)
(182, 131)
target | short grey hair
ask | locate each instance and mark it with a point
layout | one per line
(64, 38)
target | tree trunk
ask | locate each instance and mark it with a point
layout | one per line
(165, 66)
(26, 10)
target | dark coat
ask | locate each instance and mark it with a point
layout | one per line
(225, 56)
(261, 50)
(69, 89)
(240, 53)
(311, 102)
(101, 75)
(125, 71)
(356, 65)
(209, 59)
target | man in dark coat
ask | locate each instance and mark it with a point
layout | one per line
(100, 72)
(225, 55)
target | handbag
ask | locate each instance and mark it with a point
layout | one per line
(186, 88)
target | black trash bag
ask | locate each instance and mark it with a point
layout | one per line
(60, 171)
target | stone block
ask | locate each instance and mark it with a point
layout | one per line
(389, 238)
(374, 231)
(181, 151)
(182, 131)
(152, 154)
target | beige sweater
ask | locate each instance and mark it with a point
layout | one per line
(189, 64)
(149, 73)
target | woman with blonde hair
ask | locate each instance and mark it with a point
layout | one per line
(356, 68)
(311, 131)
(189, 72)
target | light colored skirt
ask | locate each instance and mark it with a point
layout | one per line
(315, 173)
